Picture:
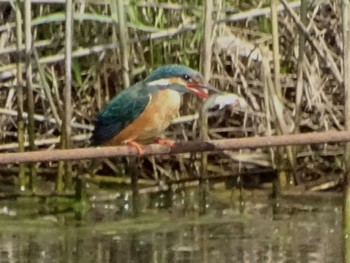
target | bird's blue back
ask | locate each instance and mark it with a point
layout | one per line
(123, 109)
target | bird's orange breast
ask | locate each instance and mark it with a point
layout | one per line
(161, 110)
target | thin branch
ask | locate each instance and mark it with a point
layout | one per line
(183, 147)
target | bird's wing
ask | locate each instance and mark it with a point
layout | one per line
(119, 113)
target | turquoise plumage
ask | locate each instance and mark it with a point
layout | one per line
(120, 112)
(145, 109)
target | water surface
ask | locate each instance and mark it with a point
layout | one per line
(182, 225)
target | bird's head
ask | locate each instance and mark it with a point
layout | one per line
(179, 78)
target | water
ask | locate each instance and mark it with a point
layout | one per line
(174, 226)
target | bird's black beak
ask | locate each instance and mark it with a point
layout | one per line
(201, 89)
(204, 89)
(211, 88)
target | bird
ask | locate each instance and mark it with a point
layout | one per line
(139, 114)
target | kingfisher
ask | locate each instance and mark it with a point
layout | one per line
(139, 114)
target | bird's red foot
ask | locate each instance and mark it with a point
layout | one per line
(166, 142)
(137, 146)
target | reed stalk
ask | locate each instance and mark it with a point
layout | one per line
(206, 71)
(124, 39)
(300, 81)
(346, 74)
(19, 90)
(29, 84)
(66, 168)
(275, 46)
(268, 111)
(68, 88)
(47, 91)
(277, 91)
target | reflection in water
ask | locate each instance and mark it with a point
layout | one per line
(169, 228)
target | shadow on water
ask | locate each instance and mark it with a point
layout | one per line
(209, 224)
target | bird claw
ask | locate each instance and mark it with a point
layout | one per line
(166, 142)
(141, 151)
(137, 146)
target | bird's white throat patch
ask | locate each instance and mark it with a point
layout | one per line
(159, 82)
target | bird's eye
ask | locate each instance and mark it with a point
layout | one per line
(186, 77)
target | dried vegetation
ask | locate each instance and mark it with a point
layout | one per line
(162, 32)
